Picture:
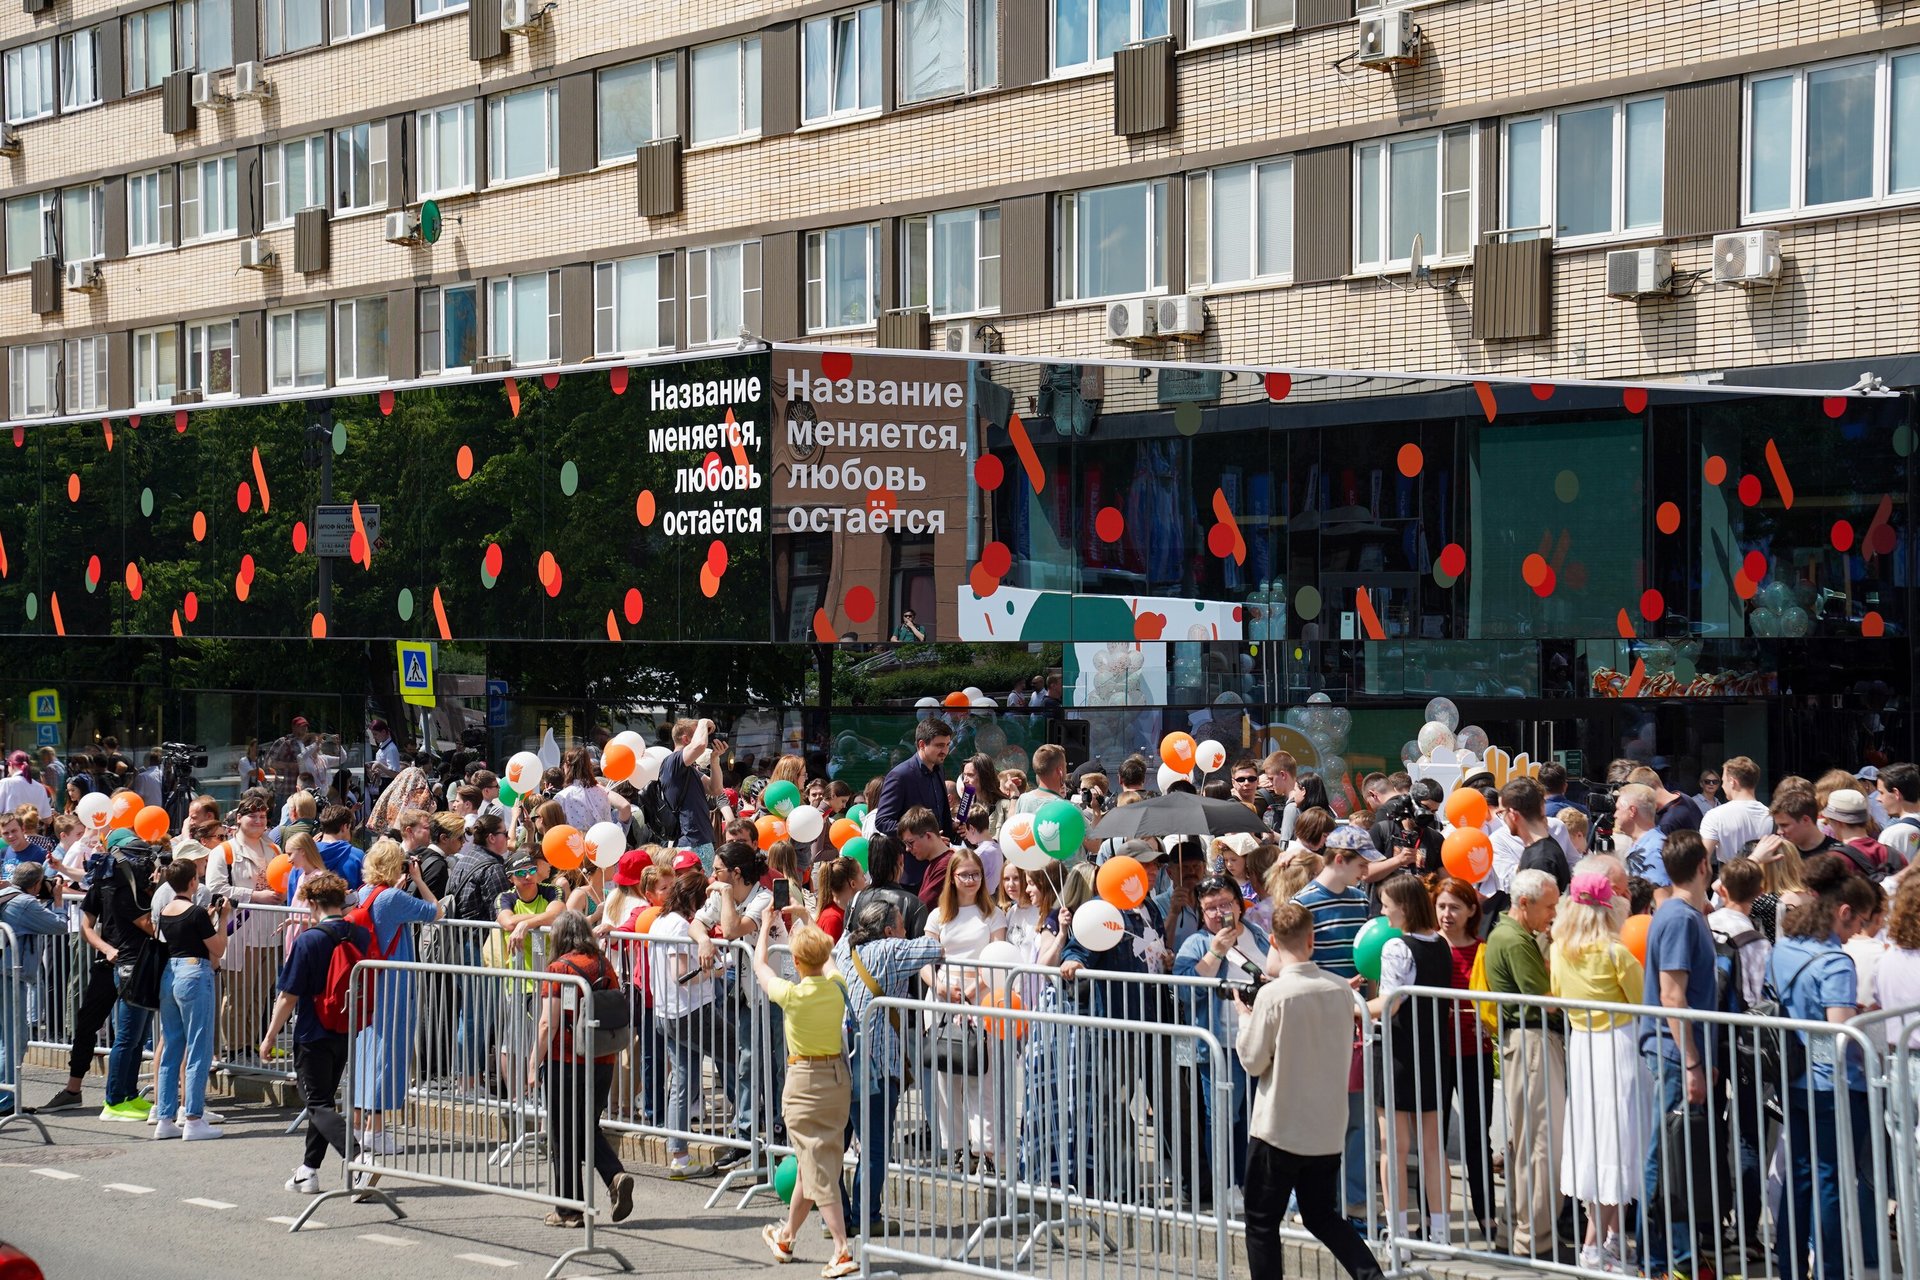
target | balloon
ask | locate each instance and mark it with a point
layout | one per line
(643, 923)
(1633, 936)
(1468, 852)
(1409, 751)
(1168, 777)
(957, 699)
(1059, 828)
(1122, 881)
(771, 830)
(645, 770)
(1319, 699)
(93, 810)
(1472, 738)
(1098, 925)
(856, 849)
(974, 693)
(151, 824)
(606, 841)
(632, 742)
(564, 847)
(618, 762)
(843, 830)
(857, 813)
(1176, 751)
(1466, 807)
(122, 808)
(1019, 846)
(1002, 956)
(786, 1176)
(1435, 738)
(805, 823)
(926, 704)
(1210, 756)
(782, 798)
(658, 753)
(1000, 1028)
(277, 872)
(522, 773)
(1443, 710)
(1367, 945)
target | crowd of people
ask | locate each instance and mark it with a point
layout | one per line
(1804, 898)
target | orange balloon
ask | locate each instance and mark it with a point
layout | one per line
(564, 847)
(1122, 881)
(617, 762)
(1466, 807)
(771, 828)
(1002, 1027)
(277, 872)
(1633, 935)
(843, 830)
(957, 699)
(1176, 752)
(151, 824)
(125, 806)
(643, 923)
(1468, 853)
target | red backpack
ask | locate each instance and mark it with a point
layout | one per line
(332, 1004)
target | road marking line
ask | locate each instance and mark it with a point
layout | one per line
(289, 1220)
(132, 1189)
(396, 1241)
(486, 1258)
(60, 1175)
(208, 1204)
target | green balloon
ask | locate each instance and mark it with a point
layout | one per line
(1369, 943)
(1059, 828)
(782, 798)
(858, 813)
(786, 1176)
(856, 849)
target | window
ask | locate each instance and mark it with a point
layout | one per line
(446, 150)
(1113, 241)
(723, 293)
(206, 34)
(1419, 186)
(952, 262)
(449, 328)
(156, 365)
(291, 25)
(424, 9)
(1836, 136)
(32, 380)
(523, 317)
(947, 47)
(28, 71)
(149, 212)
(31, 229)
(80, 69)
(86, 375)
(297, 349)
(1240, 224)
(840, 64)
(636, 106)
(149, 48)
(843, 277)
(83, 223)
(1589, 172)
(209, 198)
(1224, 19)
(633, 305)
(726, 91)
(360, 339)
(1087, 32)
(210, 358)
(293, 177)
(360, 167)
(350, 18)
(523, 135)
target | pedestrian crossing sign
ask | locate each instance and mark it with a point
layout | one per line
(45, 706)
(415, 658)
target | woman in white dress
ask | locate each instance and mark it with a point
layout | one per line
(964, 922)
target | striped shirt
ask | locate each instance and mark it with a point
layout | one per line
(893, 964)
(1336, 918)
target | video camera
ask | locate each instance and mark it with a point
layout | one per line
(1245, 983)
(1601, 799)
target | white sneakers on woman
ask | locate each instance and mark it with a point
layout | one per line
(191, 1128)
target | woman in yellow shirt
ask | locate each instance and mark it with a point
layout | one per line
(1605, 1149)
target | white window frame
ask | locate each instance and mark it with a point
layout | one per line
(1379, 152)
(95, 195)
(310, 153)
(292, 320)
(348, 316)
(273, 34)
(79, 49)
(920, 253)
(502, 313)
(1881, 195)
(1250, 23)
(204, 337)
(149, 216)
(140, 76)
(355, 191)
(700, 279)
(1089, 59)
(428, 126)
(1067, 266)
(497, 135)
(746, 83)
(979, 61)
(84, 375)
(433, 328)
(611, 299)
(820, 38)
(1549, 122)
(191, 209)
(156, 365)
(1202, 259)
(662, 77)
(46, 217)
(426, 10)
(33, 392)
(349, 20)
(25, 67)
(194, 21)
(863, 240)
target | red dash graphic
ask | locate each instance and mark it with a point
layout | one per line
(823, 628)
(440, 615)
(1017, 432)
(59, 623)
(1369, 620)
(1224, 514)
(733, 438)
(1487, 405)
(361, 547)
(1870, 542)
(1634, 681)
(1780, 481)
(1625, 624)
(260, 478)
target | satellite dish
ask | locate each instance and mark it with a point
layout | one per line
(1417, 256)
(430, 222)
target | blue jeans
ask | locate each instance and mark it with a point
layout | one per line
(1668, 1244)
(1354, 1166)
(704, 850)
(1237, 1121)
(13, 1038)
(705, 1032)
(130, 1027)
(1812, 1217)
(873, 1123)
(471, 1032)
(187, 1004)
(747, 1073)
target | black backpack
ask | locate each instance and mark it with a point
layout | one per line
(472, 897)
(1729, 994)
(659, 813)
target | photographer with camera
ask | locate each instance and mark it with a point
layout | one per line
(691, 792)
(1229, 949)
(30, 907)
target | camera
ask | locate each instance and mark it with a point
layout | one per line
(1246, 983)
(1601, 800)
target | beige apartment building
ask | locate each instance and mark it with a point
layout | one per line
(207, 198)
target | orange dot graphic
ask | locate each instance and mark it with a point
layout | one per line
(1873, 625)
(1411, 459)
(319, 626)
(643, 509)
(1109, 524)
(199, 526)
(1716, 469)
(548, 568)
(463, 463)
(73, 487)
(241, 586)
(709, 584)
(1667, 518)
(1534, 570)
(243, 497)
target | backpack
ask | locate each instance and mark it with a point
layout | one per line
(1874, 860)
(1729, 996)
(612, 1015)
(659, 813)
(335, 998)
(362, 915)
(468, 887)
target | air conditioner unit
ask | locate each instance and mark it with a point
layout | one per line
(83, 277)
(206, 91)
(959, 336)
(402, 228)
(1746, 257)
(256, 254)
(1130, 320)
(9, 140)
(250, 80)
(521, 15)
(492, 364)
(1638, 273)
(1387, 40)
(1181, 316)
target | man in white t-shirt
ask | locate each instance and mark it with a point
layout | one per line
(1898, 786)
(1727, 828)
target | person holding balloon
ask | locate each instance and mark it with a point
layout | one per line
(238, 870)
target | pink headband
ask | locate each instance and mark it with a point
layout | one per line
(1592, 891)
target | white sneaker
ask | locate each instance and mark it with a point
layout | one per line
(164, 1129)
(305, 1181)
(196, 1129)
(379, 1142)
(1591, 1259)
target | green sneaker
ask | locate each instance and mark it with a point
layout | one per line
(133, 1111)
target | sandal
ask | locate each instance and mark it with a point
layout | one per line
(781, 1247)
(844, 1265)
(563, 1218)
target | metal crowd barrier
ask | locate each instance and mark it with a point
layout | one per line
(18, 992)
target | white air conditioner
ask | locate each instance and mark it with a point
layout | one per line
(206, 91)
(83, 277)
(521, 15)
(1638, 273)
(9, 140)
(1387, 40)
(1130, 320)
(959, 336)
(1746, 257)
(402, 227)
(1181, 316)
(250, 80)
(256, 254)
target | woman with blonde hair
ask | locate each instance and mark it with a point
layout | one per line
(1603, 1160)
(1289, 877)
(790, 769)
(1785, 886)
(383, 1047)
(963, 923)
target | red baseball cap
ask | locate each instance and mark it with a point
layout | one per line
(685, 860)
(633, 863)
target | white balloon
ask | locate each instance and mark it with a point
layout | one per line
(1098, 925)
(1210, 756)
(606, 841)
(1002, 955)
(805, 823)
(974, 692)
(926, 704)
(645, 770)
(632, 742)
(1169, 776)
(659, 753)
(93, 810)
(1026, 857)
(984, 703)
(523, 772)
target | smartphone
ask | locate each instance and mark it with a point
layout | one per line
(782, 894)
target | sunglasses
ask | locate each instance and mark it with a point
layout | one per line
(1248, 778)
(531, 871)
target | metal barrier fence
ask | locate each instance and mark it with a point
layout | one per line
(17, 997)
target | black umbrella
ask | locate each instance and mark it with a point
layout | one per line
(1178, 814)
